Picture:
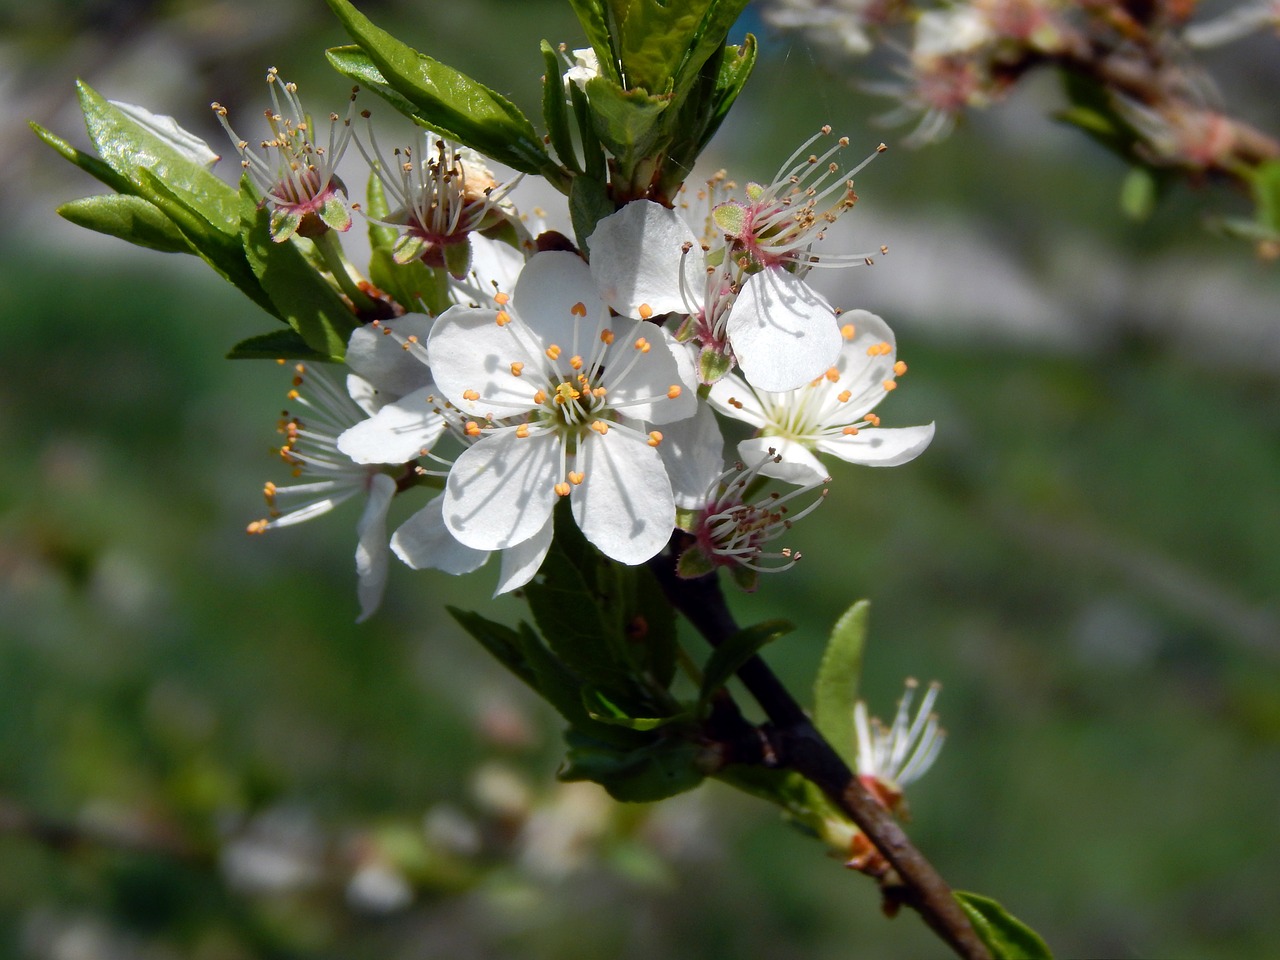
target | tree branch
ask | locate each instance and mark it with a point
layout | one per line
(800, 747)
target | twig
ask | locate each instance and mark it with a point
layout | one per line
(800, 747)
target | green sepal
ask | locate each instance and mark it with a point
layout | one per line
(693, 563)
(589, 203)
(1266, 195)
(129, 218)
(1007, 937)
(305, 299)
(731, 217)
(555, 109)
(1138, 193)
(335, 213)
(133, 149)
(713, 365)
(280, 344)
(744, 578)
(836, 687)
(284, 224)
(737, 650)
(457, 258)
(600, 708)
(407, 248)
(660, 768)
(447, 100)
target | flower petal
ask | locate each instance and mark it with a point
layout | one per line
(521, 562)
(371, 550)
(734, 398)
(865, 363)
(639, 381)
(798, 465)
(624, 506)
(381, 358)
(423, 542)
(692, 451)
(471, 352)
(397, 433)
(500, 492)
(782, 332)
(879, 446)
(637, 257)
(550, 287)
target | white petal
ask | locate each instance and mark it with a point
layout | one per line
(624, 506)
(496, 265)
(863, 368)
(798, 465)
(639, 382)
(693, 453)
(397, 433)
(382, 359)
(423, 542)
(371, 550)
(782, 332)
(521, 562)
(551, 285)
(732, 397)
(880, 446)
(500, 492)
(637, 257)
(470, 352)
(365, 394)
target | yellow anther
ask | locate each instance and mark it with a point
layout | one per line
(606, 337)
(843, 396)
(599, 392)
(879, 349)
(258, 526)
(832, 375)
(411, 338)
(575, 362)
(472, 429)
(891, 384)
(579, 309)
(516, 368)
(735, 403)
(899, 368)
(470, 395)
(674, 391)
(646, 311)
(848, 331)
(600, 426)
(872, 419)
(655, 438)
(502, 299)
(566, 394)
(540, 397)
(502, 319)
(553, 352)
(562, 488)
(850, 431)
(522, 431)
(281, 361)
(642, 345)
(292, 394)
(577, 477)
(269, 490)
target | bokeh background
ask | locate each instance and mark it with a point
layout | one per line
(202, 756)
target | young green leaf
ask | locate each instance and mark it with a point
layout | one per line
(129, 218)
(555, 108)
(282, 344)
(86, 162)
(659, 769)
(626, 121)
(591, 14)
(736, 651)
(836, 686)
(589, 203)
(600, 708)
(657, 38)
(1007, 937)
(446, 100)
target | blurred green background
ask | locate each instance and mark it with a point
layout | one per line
(202, 756)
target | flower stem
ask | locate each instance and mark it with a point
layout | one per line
(346, 275)
(799, 746)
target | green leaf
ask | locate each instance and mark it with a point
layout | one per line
(132, 145)
(301, 295)
(591, 14)
(1007, 937)
(626, 121)
(555, 109)
(659, 769)
(737, 650)
(446, 100)
(589, 203)
(86, 162)
(129, 218)
(602, 709)
(732, 72)
(282, 344)
(657, 38)
(836, 687)
(501, 641)
(1266, 195)
(651, 629)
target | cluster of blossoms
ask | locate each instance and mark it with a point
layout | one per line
(543, 376)
(962, 55)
